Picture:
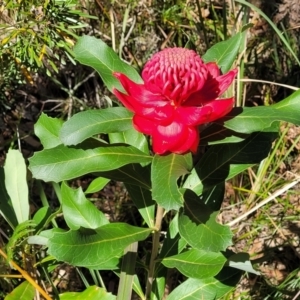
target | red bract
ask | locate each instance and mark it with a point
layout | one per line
(179, 93)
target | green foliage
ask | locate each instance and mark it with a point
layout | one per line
(19, 237)
(103, 145)
(35, 36)
(99, 249)
(23, 291)
(175, 185)
(90, 51)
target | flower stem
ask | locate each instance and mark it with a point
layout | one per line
(155, 247)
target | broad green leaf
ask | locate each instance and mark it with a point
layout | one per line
(78, 211)
(159, 287)
(130, 137)
(136, 286)
(91, 293)
(193, 182)
(41, 217)
(62, 163)
(236, 169)
(142, 199)
(24, 291)
(47, 130)
(96, 54)
(127, 272)
(197, 225)
(173, 244)
(214, 166)
(97, 185)
(224, 53)
(99, 250)
(133, 174)
(211, 288)
(196, 263)
(259, 118)
(165, 172)
(6, 209)
(88, 123)
(213, 196)
(215, 133)
(241, 261)
(15, 171)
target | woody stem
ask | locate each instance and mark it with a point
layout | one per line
(155, 247)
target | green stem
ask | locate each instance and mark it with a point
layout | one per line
(155, 247)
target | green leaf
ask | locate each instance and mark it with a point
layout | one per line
(211, 288)
(142, 199)
(214, 166)
(215, 133)
(159, 287)
(6, 208)
(224, 53)
(24, 291)
(62, 163)
(196, 263)
(78, 211)
(259, 118)
(97, 185)
(47, 130)
(137, 287)
(96, 54)
(173, 243)
(41, 217)
(88, 123)
(99, 250)
(20, 234)
(213, 196)
(130, 137)
(15, 171)
(165, 172)
(91, 293)
(241, 261)
(127, 272)
(197, 225)
(132, 174)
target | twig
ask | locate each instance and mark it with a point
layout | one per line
(112, 28)
(270, 82)
(296, 296)
(26, 276)
(155, 246)
(272, 197)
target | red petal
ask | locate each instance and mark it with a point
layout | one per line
(144, 125)
(190, 144)
(175, 138)
(226, 80)
(192, 116)
(165, 138)
(163, 114)
(139, 92)
(213, 69)
(212, 89)
(125, 99)
(220, 108)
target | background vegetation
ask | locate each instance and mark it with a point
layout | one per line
(38, 73)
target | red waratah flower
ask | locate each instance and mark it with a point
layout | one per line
(179, 93)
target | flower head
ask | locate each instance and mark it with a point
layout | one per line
(179, 93)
